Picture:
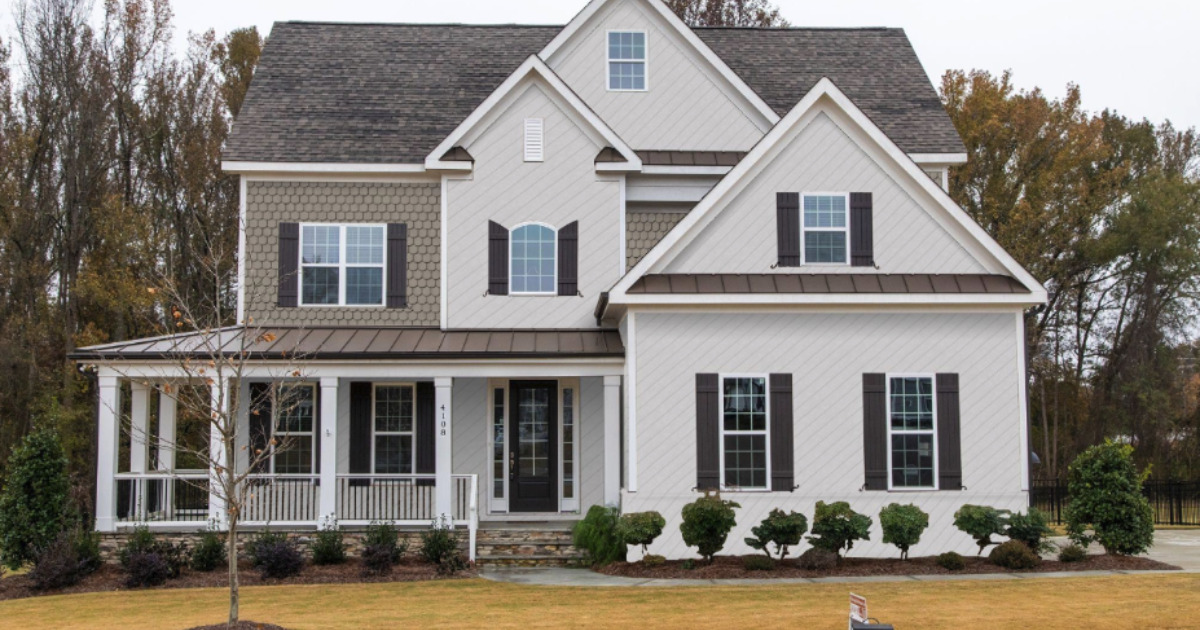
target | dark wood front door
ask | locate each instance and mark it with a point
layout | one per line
(533, 449)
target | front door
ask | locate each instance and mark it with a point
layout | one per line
(533, 452)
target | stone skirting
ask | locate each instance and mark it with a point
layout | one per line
(111, 543)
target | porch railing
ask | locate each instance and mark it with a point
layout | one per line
(162, 497)
(402, 499)
(282, 499)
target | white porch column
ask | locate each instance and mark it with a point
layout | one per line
(329, 448)
(167, 406)
(216, 449)
(106, 454)
(442, 424)
(612, 440)
(139, 427)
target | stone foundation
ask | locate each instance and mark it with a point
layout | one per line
(111, 543)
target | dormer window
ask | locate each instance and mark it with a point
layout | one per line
(627, 61)
(533, 259)
(825, 223)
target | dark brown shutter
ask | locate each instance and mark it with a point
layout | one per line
(862, 230)
(949, 433)
(787, 228)
(497, 259)
(708, 432)
(568, 259)
(875, 446)
(360, 431)
(426, 449)
(397, 265)
(260, 424)
(289, 264)
(782, 450)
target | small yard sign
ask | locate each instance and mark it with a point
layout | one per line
(858, 608)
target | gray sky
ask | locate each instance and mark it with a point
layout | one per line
(1136, 57)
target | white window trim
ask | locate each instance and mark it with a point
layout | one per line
(497, 505)
(608, 60)
(375, 432)
(568, 504)
(722, 432)
(341, 266)
(888, 388)
(511, 244)
(804, 228)
(311, 433)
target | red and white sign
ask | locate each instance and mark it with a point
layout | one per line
(858, 608)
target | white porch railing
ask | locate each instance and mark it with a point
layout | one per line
(162, 497)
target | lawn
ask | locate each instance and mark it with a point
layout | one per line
(1135, 601)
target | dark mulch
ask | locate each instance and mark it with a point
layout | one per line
(730, 567)
(111, 577)
(241, 625)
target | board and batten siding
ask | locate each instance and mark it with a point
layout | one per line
(678, 81)
(827, 354)
(741, 238)
(417, 205)
(509, 191)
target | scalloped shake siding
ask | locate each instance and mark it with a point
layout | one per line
(643, 230)
(416, 204)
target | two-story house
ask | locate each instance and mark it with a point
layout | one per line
(534, 269)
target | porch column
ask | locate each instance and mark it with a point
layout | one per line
(139, 427)
(167, 405)
(612, 440)
(329, 438)
(444, 480)
(219, 416)
(106, 454)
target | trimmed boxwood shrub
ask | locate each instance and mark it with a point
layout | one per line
(981, 522)
(1014, 554)
(641, 528)
(817, 559)
(439, 547)
(1105, 490)
(328, 547)
(707, 522)
(1072, 553)
(951, 561)
(782, 529)
(382, 548)
(35, 499)
(836, 527)
(903, 526)
(209, 552)
(1031, 528)
(598, 535)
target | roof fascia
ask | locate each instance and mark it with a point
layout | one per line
(246, 167)
(939, 159)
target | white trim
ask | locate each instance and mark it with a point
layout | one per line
(236, 166)
(608, 60)
(533, 369)
(823, 91)
(241, 252)
(845, 229)
(1022, 299)
(576, 25)
(654, 169)
(535, 66)
(765, 431)
(938, 158)
(375, 385)
(611, 418)
(1023, 396)
(511, 290)
(276, 415)
(424, 177)
(622, 248)
(342, 266)
(497, 505)
(444, 296)
(631, 476)
(571, 504)
(932, 432)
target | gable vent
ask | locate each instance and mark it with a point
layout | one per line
(535, 147)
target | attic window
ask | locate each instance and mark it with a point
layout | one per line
(535, 144)
(627, 61)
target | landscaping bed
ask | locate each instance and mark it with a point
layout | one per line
(111, 577)
(732, 567)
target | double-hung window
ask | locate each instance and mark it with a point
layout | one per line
(825, 226)
(744, 433)
(627, 61)
(912, 424)
(294, 426)
(341, 265)
(533, 260)
(394, 428)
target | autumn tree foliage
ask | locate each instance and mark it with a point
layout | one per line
(759, 13)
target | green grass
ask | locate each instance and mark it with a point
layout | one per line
(1118, 602)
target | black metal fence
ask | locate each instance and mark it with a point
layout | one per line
(1174, 502)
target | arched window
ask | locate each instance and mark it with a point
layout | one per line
(533, 259)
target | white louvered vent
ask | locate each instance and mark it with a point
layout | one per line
(535, 146)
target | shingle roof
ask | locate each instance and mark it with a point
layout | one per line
(665, 284)
(390, 93)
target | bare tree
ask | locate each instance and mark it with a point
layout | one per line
(744, 13)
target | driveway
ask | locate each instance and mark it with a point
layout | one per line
(1180, 547)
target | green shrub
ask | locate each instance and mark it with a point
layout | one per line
(981, 522)
(146, 568)
(1105, 491)
(1031, 528)
(139, 540)
(836, 527)
(707, 522)
(149, 561)
(35, 499)
(758, 563)
(903, 526)
(951, 561)
(262, 542)
(652, 560)
(381, 548)
(817, 559)
(278, 558)
(1072, 553)
(1014, 554)
(689, 564)
(328, 547)
(209, 552)
(641, 528)
(74, 554)
(439, 547)
(598, 535)
(782, 529)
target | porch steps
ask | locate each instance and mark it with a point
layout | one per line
(525, 547)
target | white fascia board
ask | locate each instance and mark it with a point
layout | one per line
(756, 102)
(536, 67)
(682, 233)
(240, 167)
(439, 165)
(618, 167)
(940, 159)
(650, 169)
(802, 299)
(378, 369)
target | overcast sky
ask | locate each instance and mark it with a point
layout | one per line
(1136, 57)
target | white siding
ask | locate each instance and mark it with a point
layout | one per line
(591, 443)
(506, 189)
(678, 78)
(742, 237)
(827, 355)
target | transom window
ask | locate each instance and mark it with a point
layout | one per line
(744, 432)
(825, 226)
(394, 429)
(533, 260)
(911, 429)
(627, 61)
(294, 429)
(341, 265)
